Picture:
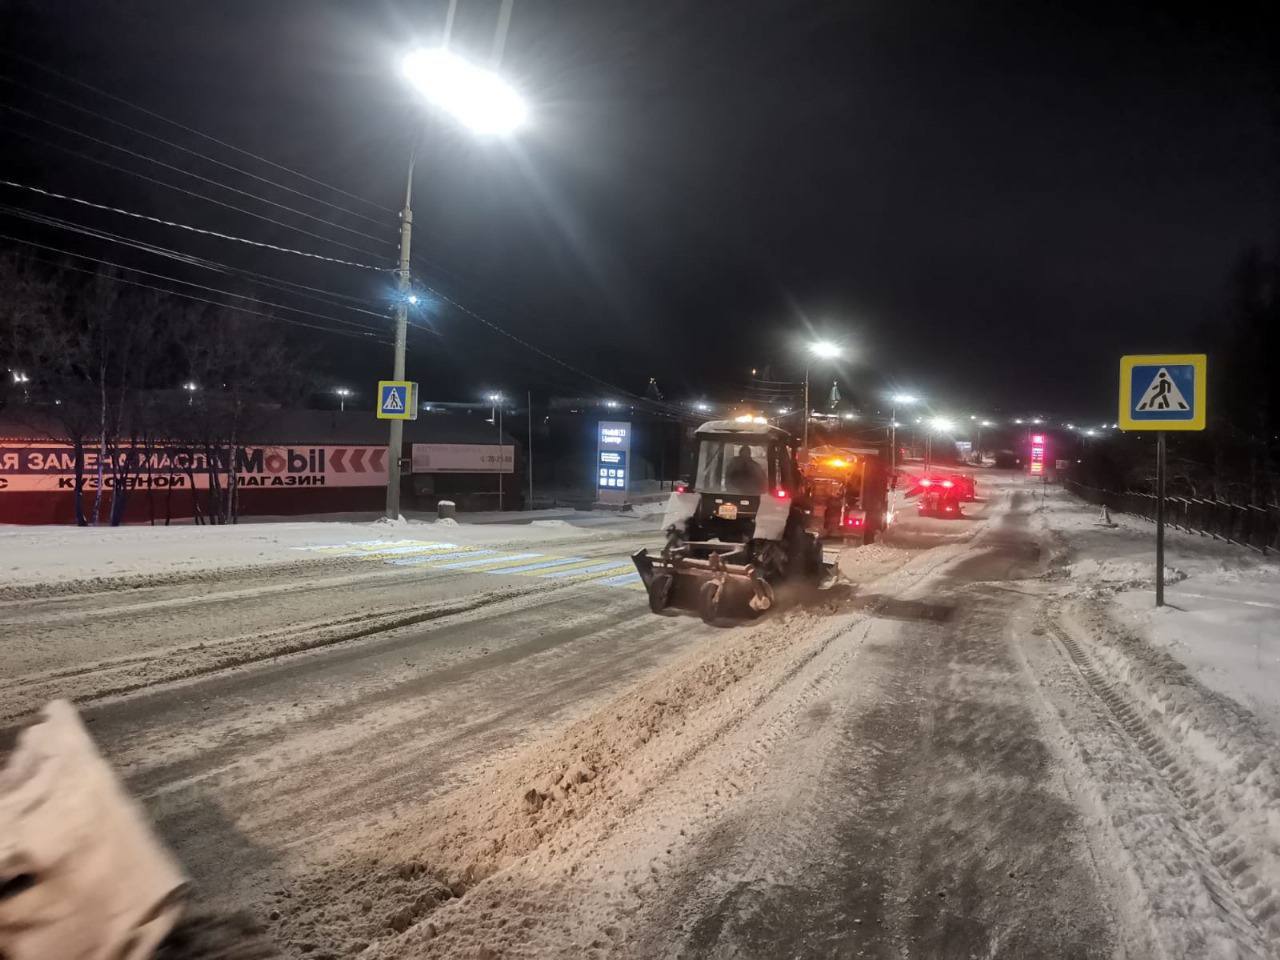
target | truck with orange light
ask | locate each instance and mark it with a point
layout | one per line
(737, 529)
(848, 492)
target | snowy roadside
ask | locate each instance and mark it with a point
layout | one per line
(1222, 619)
(1195, 688)
(61, 554)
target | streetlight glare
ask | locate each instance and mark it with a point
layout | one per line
(824, 349)
(941, 424)
(905, 399)
(478, 98)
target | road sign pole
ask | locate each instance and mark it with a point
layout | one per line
(1160, 392)
(395, 440)
(1160, 478)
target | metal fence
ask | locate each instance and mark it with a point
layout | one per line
(1256, 527)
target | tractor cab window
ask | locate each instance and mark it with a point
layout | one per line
(729, 466)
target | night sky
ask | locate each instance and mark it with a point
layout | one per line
(988, 202)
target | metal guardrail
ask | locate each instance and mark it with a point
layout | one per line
(1256, 527)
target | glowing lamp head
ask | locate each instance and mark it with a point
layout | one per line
(477, 98)
(824, 349)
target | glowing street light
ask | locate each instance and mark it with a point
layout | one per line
(825, 349)
(343, 393)
(478, 98)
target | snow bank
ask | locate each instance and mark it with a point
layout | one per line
(60, 554)
(1222, 619)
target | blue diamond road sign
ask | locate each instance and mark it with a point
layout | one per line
(1163, 391)
(397, 400)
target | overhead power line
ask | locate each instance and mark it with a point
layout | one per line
(636, 399)
(189, 283)
(226, 306)
(329, 297)
(71, 105)
(174, 123)
(189, 227)
(189, 173)
(191, 193)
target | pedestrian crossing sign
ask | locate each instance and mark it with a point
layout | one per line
(1163, 391)
(397, 400)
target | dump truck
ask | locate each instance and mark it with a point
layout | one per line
(737, 529)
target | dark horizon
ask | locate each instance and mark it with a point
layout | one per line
(990, 203)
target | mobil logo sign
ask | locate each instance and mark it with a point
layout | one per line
(321, 466)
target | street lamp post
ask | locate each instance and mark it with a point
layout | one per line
(940, 425)
(903, 400)
(483, 102)
(818, 350)
(343, 393)
(495, 399)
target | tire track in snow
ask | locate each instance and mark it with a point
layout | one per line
(1178, 835)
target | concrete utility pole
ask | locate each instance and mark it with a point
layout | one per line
(395, 444)
(529, 452)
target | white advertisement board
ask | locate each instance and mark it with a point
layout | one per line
(463, 458)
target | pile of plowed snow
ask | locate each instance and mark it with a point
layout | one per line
(384, 886)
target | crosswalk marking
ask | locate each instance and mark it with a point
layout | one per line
(591, 568)
(622, 580)
(435, 558)
(462, 564)
(540, 565)
(616, 572)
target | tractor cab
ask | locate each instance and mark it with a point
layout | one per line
(745, 475)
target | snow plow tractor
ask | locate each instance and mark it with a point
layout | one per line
(737, 531)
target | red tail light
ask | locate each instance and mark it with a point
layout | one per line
(948, 484)
(780, 493)
(926, 483)
(854, 522)
(681, 488)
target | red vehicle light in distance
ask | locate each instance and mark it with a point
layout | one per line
(926, 483)
(853, 522)
(780, 493)
(681, 488)
(948, 484)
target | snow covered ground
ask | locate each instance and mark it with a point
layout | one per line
(1222, 613)
(63, 554)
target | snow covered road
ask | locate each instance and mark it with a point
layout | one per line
(495, 750)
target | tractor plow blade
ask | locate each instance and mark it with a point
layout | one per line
(703, 581)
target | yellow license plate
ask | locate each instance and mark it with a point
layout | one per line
(728, 511)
